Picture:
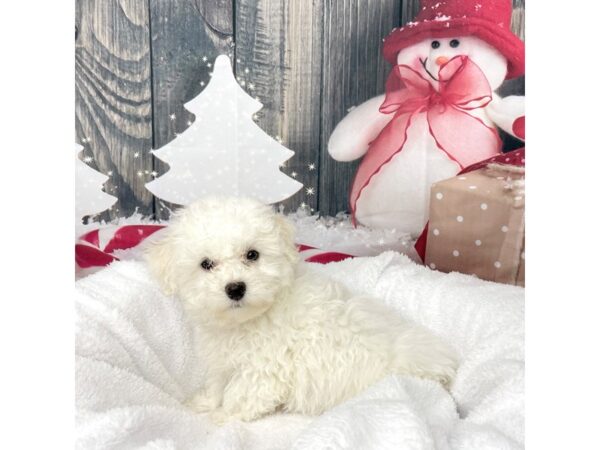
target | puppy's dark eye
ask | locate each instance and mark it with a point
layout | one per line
(207, 264)
(435, 44)
(252, 255)
(454, 43)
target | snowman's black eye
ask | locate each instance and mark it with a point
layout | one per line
(435, 44)
(454, 43)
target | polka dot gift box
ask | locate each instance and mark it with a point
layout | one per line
(477, 223)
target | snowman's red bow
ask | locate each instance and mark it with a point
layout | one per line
(463, 137)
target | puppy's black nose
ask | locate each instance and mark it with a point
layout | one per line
(235, 291)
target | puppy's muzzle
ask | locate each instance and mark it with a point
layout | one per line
(235, 291)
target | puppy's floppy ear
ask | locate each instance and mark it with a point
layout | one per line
(160, 256)
(287, 235)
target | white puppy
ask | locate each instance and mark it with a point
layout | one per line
(274, 335)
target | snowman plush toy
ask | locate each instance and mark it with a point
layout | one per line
(439, 113)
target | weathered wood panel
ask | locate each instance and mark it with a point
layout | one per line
(518, 18)
(410, 8)
(278, 60)
(353, 71)
(187, 36)
(113, 98)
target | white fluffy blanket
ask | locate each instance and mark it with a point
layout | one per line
(135, 367)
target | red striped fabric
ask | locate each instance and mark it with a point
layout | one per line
(96, 247)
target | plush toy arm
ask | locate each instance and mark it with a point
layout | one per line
(350, 138)
(509, 114)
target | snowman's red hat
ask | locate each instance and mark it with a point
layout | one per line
(488, 20)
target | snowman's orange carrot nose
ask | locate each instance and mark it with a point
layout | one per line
(440, 60)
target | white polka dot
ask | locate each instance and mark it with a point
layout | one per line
(483, 206)
(472, 187)
(455, 253)
(497, 264)
(439, 196)
(504, 228)
(462, 178)
(478, 242)
(518, 197)
(459, 218)
(436, 232)
(432, 265)
(522, 255)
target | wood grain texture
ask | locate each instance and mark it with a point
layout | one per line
(410, 9)
(517, 24)
(113, 98)
(187, 36)
(278, 60)
(353, 71)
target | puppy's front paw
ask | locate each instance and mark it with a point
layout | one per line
(220, 417)
(203, 402)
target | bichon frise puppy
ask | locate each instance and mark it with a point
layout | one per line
(275, 335)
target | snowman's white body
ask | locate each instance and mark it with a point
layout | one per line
(398, 195)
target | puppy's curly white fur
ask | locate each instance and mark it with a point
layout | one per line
(274, 334)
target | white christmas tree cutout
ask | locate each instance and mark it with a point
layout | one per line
(89, 197)
(223, 151)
